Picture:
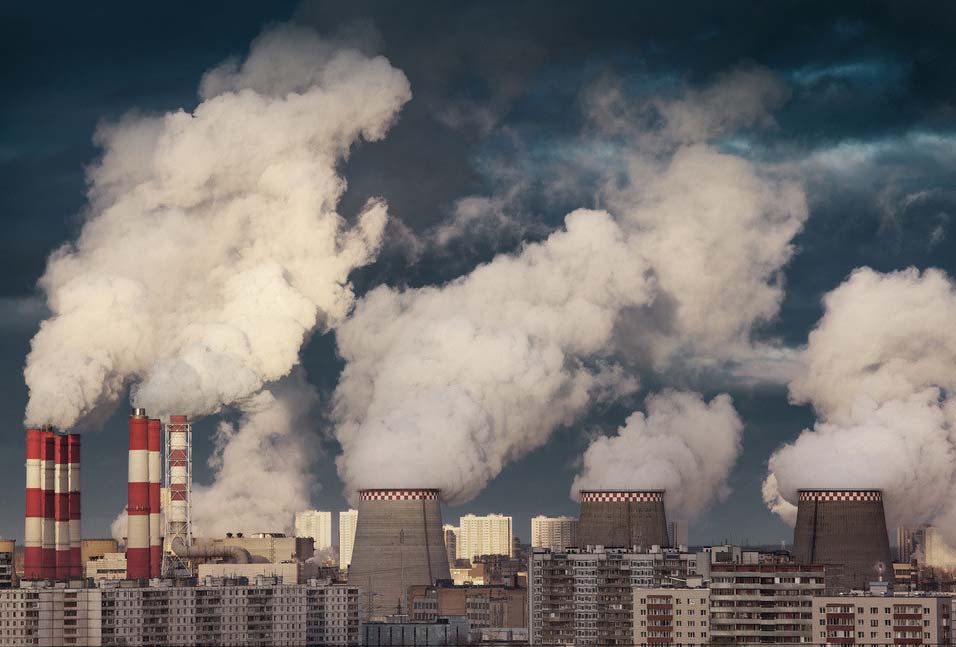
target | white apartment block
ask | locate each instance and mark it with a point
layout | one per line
(484, 535)
(217, 613)
(671, 616)
(586, 596)
(347, 522)
(316, 524)
(883, 620)
(554, 533)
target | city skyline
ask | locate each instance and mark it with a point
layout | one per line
(514, 265)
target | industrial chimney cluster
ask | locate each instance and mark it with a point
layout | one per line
(398, 540)
(52, 534)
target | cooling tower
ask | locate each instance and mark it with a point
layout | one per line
(398, 543)
(622, 518)
(844, 530)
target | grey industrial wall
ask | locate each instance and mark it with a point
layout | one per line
(845, 531)
(622, 522)
(398, 543)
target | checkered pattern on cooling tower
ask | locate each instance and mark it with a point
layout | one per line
(841, 495)
(606, 497)
(398, 495)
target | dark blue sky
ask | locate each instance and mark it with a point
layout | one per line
(497, 88)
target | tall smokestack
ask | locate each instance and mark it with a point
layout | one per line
(398, 543)
(76, 530)
(622, 518)
(33, 530)
(137, 510)
(179, 482)
(61, 503)
(49, 504)
(153, 441)
(846, 531)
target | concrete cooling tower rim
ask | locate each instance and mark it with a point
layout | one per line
(605, 496)
(841, 495)
(400, 494)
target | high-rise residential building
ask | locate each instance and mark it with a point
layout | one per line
(451, 542)
(677, 532)
(675, 616)
(554, 533)
(484, 535)
(347, 521)
(7, 567)
(217, 612)
(763, 603)
(908, 540)
(882, 620)
(316, 524)
(585, 596)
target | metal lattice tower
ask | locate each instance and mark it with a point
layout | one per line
(179, 483)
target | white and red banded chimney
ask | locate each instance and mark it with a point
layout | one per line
(153, 442)
(137, 509)
(49, 505)
(76, 529)
(33, 531)
(61, 506)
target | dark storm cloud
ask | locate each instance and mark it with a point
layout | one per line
(497, 143)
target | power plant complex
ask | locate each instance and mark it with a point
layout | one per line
(405, 579)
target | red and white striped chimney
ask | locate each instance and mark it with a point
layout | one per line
(33, 530)
(61, 506)
(137, 509)
(154, 442)
(76, 532)
(49, 504)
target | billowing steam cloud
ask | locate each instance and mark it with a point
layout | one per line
(684, 445)
(213, 248)
(445, 385)
(880, 376)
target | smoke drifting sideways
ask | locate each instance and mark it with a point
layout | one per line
(211, 247)
(683, 445)
(879, 375)
(443, 386)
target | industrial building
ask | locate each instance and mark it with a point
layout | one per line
(585, 596)
(398, 543)
(347, 522)
(883, 620)
(316, 524)
(217, 612)
(763, 603)
(554, 533)
(845, 530)
(484, 535)
(622, 518)
(273, 547)
(111, 566)
(398, 633)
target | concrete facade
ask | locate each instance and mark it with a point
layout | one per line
(844, 530)
(671, 616)
(882, 620)
(763, 603)
(444, 631)
(484, 535)
(8, 574)
(316, 524)
(484, 606)
(622, 519)
(273, 547)
(585, 597)
(347, 523)
(218, 612)
(111, 566)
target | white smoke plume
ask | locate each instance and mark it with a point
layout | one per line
(683, 445)
(879, 374)
(212, 247)
(262, 465)
(445, 385)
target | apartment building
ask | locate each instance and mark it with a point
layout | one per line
(554, 533)
(671, 616)
(484, 535)
(316, 524)
(883, 620)
(219, 612)
(763, 603)
(484, 606)
(7, 566)
(348, 521)
(585, 596)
